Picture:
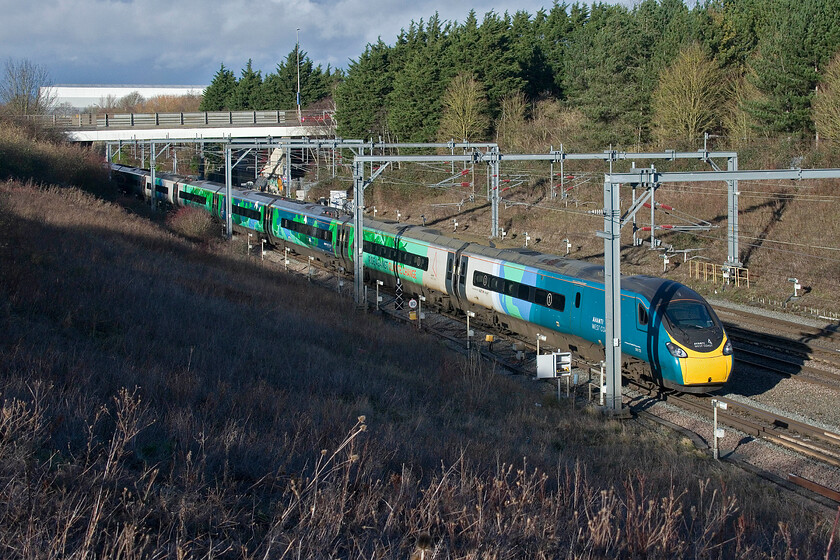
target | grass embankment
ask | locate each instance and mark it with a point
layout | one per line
(166, 399)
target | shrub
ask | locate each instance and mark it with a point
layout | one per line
(194, 224)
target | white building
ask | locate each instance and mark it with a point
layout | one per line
(81, 97)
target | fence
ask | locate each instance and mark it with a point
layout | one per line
(789, 307)
(711, 272)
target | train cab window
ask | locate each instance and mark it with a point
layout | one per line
(577, 300)
(688, 314)
(643, 315)
(449, 268)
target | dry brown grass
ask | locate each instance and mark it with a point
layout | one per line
(28, 153)
(162, 399)
(167, 400)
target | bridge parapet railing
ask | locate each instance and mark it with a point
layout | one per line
(194, 119)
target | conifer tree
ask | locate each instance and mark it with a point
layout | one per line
(218, 95)
(498, 67)
(361, 97)
(602, 72)
(415, 102)
(248, 92)
(279, 90)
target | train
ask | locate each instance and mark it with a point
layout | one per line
(670, 334)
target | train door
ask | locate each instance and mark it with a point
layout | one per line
(642, 316)
(342, 246)
(461, 290)
(450, 273)
(267, 212)
(350, 252)
(453, 276)
(573, 304)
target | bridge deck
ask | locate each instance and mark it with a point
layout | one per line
(89, 127)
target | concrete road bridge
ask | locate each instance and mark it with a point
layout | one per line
(111, 127)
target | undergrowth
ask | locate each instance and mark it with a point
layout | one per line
(166, 399)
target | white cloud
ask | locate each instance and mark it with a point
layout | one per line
(184, 41)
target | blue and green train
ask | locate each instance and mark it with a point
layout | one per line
(669, 332)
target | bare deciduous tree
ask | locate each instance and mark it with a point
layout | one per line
(826, 103)
(129, 103)
(511, 122)
(25, 88)
(464, 110)
(687, 100)
(737, 121)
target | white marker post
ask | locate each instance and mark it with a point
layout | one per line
(540, 337)
(718, 432)
(470, 333)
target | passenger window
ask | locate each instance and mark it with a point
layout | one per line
(643, 315)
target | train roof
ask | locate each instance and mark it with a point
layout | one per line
(647, 286)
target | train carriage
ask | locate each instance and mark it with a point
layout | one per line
(305, 225)
(164, 188)
(197, 194)
(666, 327)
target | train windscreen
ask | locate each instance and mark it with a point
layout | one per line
(688, 314)
(694, 325)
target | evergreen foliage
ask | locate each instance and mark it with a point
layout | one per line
(786, 68)
(278, 91)
(361, 96)
(604, 69)
(219, 93)
(248, 90)
(601, 68)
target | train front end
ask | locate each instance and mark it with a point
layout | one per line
(695, 354)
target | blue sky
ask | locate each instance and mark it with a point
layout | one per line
(183, 42)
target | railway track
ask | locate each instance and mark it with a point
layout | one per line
(789, 350)
(517, 356)
(803, 439)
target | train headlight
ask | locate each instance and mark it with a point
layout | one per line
(727, 348)
(676, 351)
